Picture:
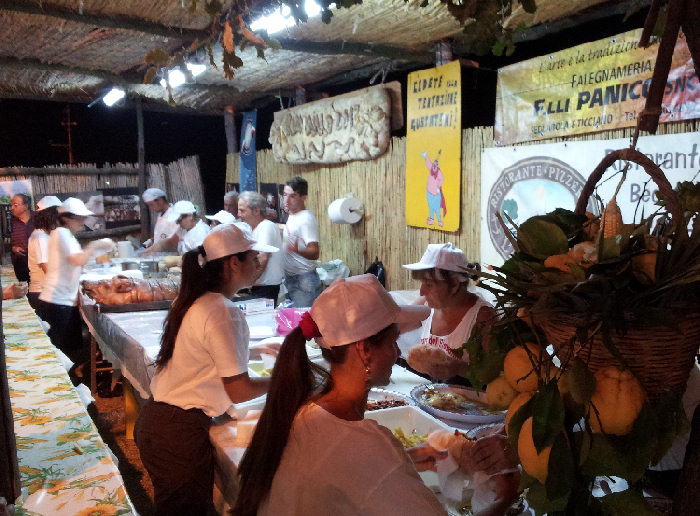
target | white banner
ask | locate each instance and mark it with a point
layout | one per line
(535, 179)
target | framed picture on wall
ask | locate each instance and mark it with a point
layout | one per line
(94, 202)
(121, 207)
(283, 213)
(270, 193)
(232, 186)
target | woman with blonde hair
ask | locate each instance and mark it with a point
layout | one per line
(455, 311)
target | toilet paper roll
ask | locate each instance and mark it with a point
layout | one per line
(125, 249)
(347, 210)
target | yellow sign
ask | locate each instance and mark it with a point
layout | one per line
(592, 87)
(433, 147)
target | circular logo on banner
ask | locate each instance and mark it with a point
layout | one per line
(532, 186)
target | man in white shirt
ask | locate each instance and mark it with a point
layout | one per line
(301, 249)
(251, 209)
(231, 202)
(190, 233)
(157, 201)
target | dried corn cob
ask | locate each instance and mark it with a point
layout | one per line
(611, 221)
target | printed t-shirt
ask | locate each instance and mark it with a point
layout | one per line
(212, 344)
(302, 227)
(62, 278)
(339, 467)
(268, 233)
(37, 253)
(459, 335)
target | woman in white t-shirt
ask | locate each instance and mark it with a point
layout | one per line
(190, 234)
(455, 311)
(313, 452)
(201, 369)
(59, 291)
(45, 221)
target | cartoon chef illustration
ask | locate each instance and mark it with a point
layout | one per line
(436, 200)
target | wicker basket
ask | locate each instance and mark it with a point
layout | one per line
(660, 357)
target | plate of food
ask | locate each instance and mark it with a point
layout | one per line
(455, 403)
(379, 399)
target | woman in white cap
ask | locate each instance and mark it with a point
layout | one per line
(59, 293)
(201, 369)
(220, 217)
(45, 221)
(191, 233)
(313, 452)
(444, 275)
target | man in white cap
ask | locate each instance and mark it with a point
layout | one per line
(157, 201)
(251, 209)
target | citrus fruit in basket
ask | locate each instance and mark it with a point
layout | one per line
(518, 370)
(618, 399)
(518, 402)
(535, 464)
(499, 393)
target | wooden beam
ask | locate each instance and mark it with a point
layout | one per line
(541, 30)
(354, 48)
(141, 148)
(78, 171)
(116, 21)
(230, 129)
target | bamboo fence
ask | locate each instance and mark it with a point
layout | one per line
(380, 185)
(181, 179)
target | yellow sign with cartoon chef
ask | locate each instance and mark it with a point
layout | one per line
(433, 147)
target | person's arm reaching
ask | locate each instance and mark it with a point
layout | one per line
(242, 387)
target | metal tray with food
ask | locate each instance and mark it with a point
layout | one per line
(455, 403)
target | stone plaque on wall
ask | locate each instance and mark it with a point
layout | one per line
(334, 130)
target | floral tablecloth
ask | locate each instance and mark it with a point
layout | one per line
(65, 466)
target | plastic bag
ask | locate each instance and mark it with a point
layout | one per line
(288, 319)
(331, 271)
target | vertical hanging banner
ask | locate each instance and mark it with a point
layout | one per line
(248, 175)
(434, 147)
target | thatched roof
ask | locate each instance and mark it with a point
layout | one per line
(73, 51)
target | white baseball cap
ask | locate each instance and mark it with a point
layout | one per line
(74, 206)
(227, 239)
(358, 307)
(152, 194)
(48, 201)
(441, 256)
(181, 208)
(223, 217)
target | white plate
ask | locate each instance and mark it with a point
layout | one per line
(473, 413)
(376, 394)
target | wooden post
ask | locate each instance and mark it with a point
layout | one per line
(145, 222)
(230, 127)
(443, 53)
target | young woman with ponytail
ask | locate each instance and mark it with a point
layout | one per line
(201, 369)
(313, 452)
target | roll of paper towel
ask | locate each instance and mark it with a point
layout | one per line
(347, 210)
(125, 249)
